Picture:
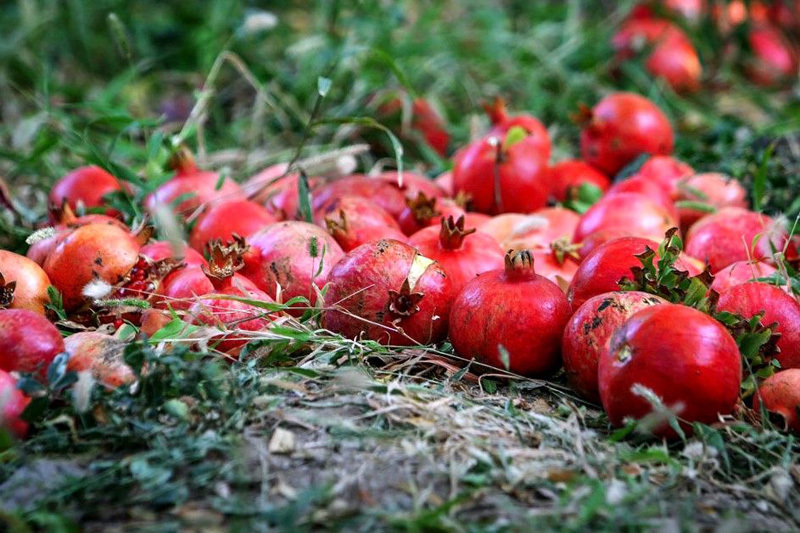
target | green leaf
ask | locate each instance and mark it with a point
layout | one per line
(304, 197)
(514, 136)
(505, 358)
(699, 206)
(323, 86)
(760, 177)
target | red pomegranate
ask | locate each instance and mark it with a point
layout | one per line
(225, 218)
(749, 299)
(84, 187)
(566, 178)
(100, 354)
(665, 171)
(589, 330)
(774, 59)
(502, 123)
(621, 127)
(354, 220)
(538, 230)
(679, 355)
(380, 191)
(780, 394)
(28, 341)
(388, 292)
(288, 259)
(160, 250)
(12, 404)
(180, 289)
(715, 190)
(631, 212)
(23, 283)
(726, 237)
(649, 188)
(410, 183)
(462, 253)
(423, 211)
(522, 332)
(741, 272)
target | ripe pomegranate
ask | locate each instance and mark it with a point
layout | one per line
(726, 237)
(95, 253)
(225, 218)
(566, 178)
(84, 187)
(601, 270)
(666, 171)
(749, 299)
(383, 193)
(288, 259)
(180, 289)
(160, 250)
(527, 318)
(641, 185)
(100, 354)
(631, 212)
(680, 355)
(621, 127)
(498, 178)
(192, 188)
(12, 404)
(388, 292)
(354, 220)
(538, 230)
(589, 330)
(462, 253)
(780, 394)
(28, 341)
(740, 272)
(539, 139)
(716, 190)
(23, 283)
(423, 211)
(774, 59)
(475, 220)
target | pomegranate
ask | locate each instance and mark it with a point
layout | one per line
(423, 211)
(462, 253)
(288, 259)
(383, 193)
(12, 404)
(160, 250)
(84, 187)
(678, 354)
(621, 127)
(741, 272)
(567, 177)
(589, 330)
(502, 123)
(410, 184)
(354, 220)
(691, 10)
(774, 59)
(641, 185)
(225, 218)
(100, 354)
(538, 230)
(713, 189)
(28, 341)
(666, 171)
(726, 237)
(181, 288)
(23, 283)
(780, 394)
(749, 299)
(631, 212)
(522, 331)
(388, 292)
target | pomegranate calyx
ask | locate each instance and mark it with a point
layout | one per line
(452, 234)
(404, 303)
(463, 200)
(62, 214)
(182, 161)
(143, 234)
(338, 226)
(583, 116)
(423, 208)
(225, 259)
(6, 292)
(563, 248)
(496, 110)
(519, 263)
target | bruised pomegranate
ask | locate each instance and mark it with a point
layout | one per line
(780, 394)
(774, 60)
(665, 171)
(566, 178)
(727, 236)
(511, 318)
(641, 185)
(621, 127)
(388, 292)
(225, 218)
(462, 253)
(160, 250)
(23, 283)
(740, 272)
(288, 259)
(423, 211)
(354, 220)
(502, 123)
(713, 189)
(589, 330)
(12, 404)
(678, 354)
(749, 299)
(383, 193)
(631, 212)
(28, 341)
(84, 187)
(100, 354)
(538, 230)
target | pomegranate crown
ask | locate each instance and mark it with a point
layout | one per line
(423, 208)
(225, 259)
(62, 214)
(6, 292)
(452, 234)
(519, 262)
(182, 161)
(496, 110)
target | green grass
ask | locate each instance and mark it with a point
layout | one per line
(382, 438)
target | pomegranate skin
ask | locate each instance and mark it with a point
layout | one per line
(749, 299)
(566, 178)
(39, 250)
(225, 218)
(444, 182)
(685, 357)
(780, 393)
(100, 354)
(740, 272)
(160, 250)
(280, 255)
(589, 330)
(96, 252)
(86, 186)
(181, 287)
(641, 185)
(631, 212)
(549, 266)
(516, 308)
(31, 282)
(354, 220)
(28, 341)
(412, 184)
(774, 60)
(537, 230)
(12, 404)
(665, 171)
(716, 190)
(423, 212)
(724, 237)
(380, 191)
(386, 286)
(623, 126)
